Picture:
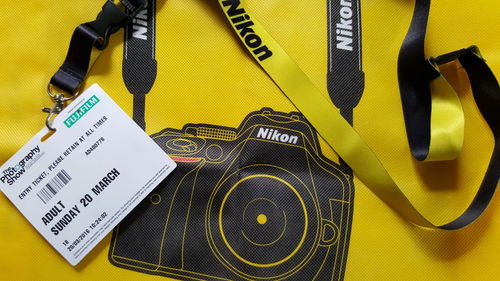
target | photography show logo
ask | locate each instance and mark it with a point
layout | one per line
(12, 174)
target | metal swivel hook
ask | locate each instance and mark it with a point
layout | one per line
(56, 109)
(59, 103)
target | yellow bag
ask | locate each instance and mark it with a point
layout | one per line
(209, 106)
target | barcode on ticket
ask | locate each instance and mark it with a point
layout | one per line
(54, 186)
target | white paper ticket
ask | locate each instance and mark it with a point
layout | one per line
(76, 186)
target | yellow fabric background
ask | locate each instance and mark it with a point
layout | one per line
(205, 76)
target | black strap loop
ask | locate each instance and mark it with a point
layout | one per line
(75, 67)
(415, 73)
(486, 93)
(96, 34)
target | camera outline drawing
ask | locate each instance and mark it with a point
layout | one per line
(269, 174)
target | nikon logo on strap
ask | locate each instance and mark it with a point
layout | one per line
(344, 27)
(241, 21)
(140, 24)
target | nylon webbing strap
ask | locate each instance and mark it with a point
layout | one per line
(90, 36)
(343, 138)
(434, 122)
(338, 133)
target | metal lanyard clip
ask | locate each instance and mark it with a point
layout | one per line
(59, 104)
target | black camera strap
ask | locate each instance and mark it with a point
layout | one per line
(415, 74)
(345, 76)
(139, 67)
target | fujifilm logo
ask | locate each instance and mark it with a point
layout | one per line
(12, 174)
(81, 111)
(140, 25)
(275, 135)
(241, 21)
(344, 27)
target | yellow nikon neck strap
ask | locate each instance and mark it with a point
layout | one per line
(327, 120)
(337, 132)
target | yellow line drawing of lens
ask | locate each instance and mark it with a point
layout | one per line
(306, 223)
